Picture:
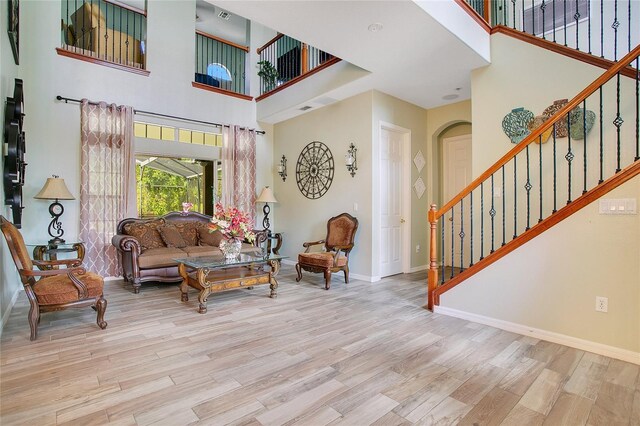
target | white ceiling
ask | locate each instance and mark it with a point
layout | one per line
(414, 57)
(233, 29)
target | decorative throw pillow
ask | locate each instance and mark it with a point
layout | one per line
(146, 233)
(172, 236)
(188, 230)
(206, 238)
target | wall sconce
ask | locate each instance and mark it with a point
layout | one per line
(282, 168)
(351, 160)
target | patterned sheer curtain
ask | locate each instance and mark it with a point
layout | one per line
(107, 172)
(239, 169)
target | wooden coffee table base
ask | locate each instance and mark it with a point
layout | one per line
(213, 281)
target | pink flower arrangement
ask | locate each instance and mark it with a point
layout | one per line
(232, 223)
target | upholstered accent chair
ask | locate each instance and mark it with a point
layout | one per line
(55, 289)
(341, 233)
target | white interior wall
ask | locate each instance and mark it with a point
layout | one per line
(301, 219)
(9, 280)
(535, 285)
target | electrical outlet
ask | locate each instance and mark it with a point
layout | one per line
(602, 304)
(418, 248)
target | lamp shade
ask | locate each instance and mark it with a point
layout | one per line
(266, 196)
(54, 189)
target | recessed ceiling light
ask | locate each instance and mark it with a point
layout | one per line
(450, 97)
(306, 107)
(375, 27)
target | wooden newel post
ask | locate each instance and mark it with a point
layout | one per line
(304, 57)
(432, 276)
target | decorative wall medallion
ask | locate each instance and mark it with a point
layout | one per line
(419, 161)
(516, 124)
(580, 122)
(314, 170)
(537, 122)
(561, 125)
(14, 165)
(419, 187)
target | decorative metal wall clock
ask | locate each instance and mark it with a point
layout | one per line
(14, 165)
(314, 170)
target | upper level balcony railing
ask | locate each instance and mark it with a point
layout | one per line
(284, 59)
(106, 31)
(605, 28)
(221, 65)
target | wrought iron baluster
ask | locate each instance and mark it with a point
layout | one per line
(513, 4)
(569, 157)
(543, 6)
(540, 182)
(462, 235)
(637, 111)
(555, 175)
(601, 141)
(504, 209)
(533, 17)
(492, 213)
(589, 24)
(120, 16)
(527, 187)
(584, 150)
(576, 16)
(601, 29)
(515, 196)
(629, 27)
(553, 9)
(564, 17)
(618, 123)
(524, 27)
(452, 240)
(471, 227)
(615, 26)
(481, 220)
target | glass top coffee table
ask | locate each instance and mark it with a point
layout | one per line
(212, 274)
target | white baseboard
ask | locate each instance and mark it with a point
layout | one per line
(5, 316)
(550, 336)
(419, 268)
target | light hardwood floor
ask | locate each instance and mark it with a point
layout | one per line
(359, 354)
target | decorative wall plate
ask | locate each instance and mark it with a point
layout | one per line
(537, 122)
(314, 170)
(561, 125)
(516, 124)
(14, 164)
(580, 122)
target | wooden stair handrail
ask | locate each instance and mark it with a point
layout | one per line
(222, 40)
(587, 198)
(269, 43)
(533, 136)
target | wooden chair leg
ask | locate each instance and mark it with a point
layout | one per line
(327, 279)
(299, 271)
(346, 274)
(101, 305)
(34, 320)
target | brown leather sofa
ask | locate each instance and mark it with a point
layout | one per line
(146, 247)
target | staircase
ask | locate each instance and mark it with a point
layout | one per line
(586, 148)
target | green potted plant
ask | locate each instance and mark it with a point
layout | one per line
(269, 75)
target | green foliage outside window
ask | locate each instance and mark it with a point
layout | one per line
(160, 192)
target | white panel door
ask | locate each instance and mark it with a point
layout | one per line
(457, 175)
(391, 240)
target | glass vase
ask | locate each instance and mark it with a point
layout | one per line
(230, 248)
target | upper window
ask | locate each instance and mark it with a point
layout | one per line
(555, 15)
(104, 30)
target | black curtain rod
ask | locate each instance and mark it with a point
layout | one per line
(157, 114)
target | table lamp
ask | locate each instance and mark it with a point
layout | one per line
(55, 189)
(266, 197)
